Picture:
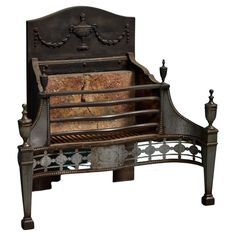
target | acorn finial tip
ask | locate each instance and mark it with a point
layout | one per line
(163, 62)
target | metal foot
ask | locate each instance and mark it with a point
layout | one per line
(44, 183)
(27, 223)
(208, 200)
(124, 174)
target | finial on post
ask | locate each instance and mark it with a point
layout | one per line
(210, 110)
(44, 78)
(163, 71)
(25, 126)
(211, 91)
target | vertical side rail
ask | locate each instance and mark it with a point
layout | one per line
(25, 160)
(209, 151)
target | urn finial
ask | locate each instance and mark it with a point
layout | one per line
(210, 110)
(44, 78)
(25, 126)
(163, 71)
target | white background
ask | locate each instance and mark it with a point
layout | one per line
(197, 39)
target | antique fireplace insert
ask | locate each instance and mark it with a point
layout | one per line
(92, 107)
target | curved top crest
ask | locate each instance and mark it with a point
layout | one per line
(79, 32)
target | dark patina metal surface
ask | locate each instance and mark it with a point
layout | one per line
(92, 107)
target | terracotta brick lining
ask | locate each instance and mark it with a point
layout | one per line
(90, 81)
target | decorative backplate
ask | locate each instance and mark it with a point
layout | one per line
(83, 30)
(79, 32)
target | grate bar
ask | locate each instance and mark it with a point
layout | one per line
(101, 131)
(110, 90)
(104, 103)
(105, 117)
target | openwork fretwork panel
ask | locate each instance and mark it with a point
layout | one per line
(117, 156)
(168, 150)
